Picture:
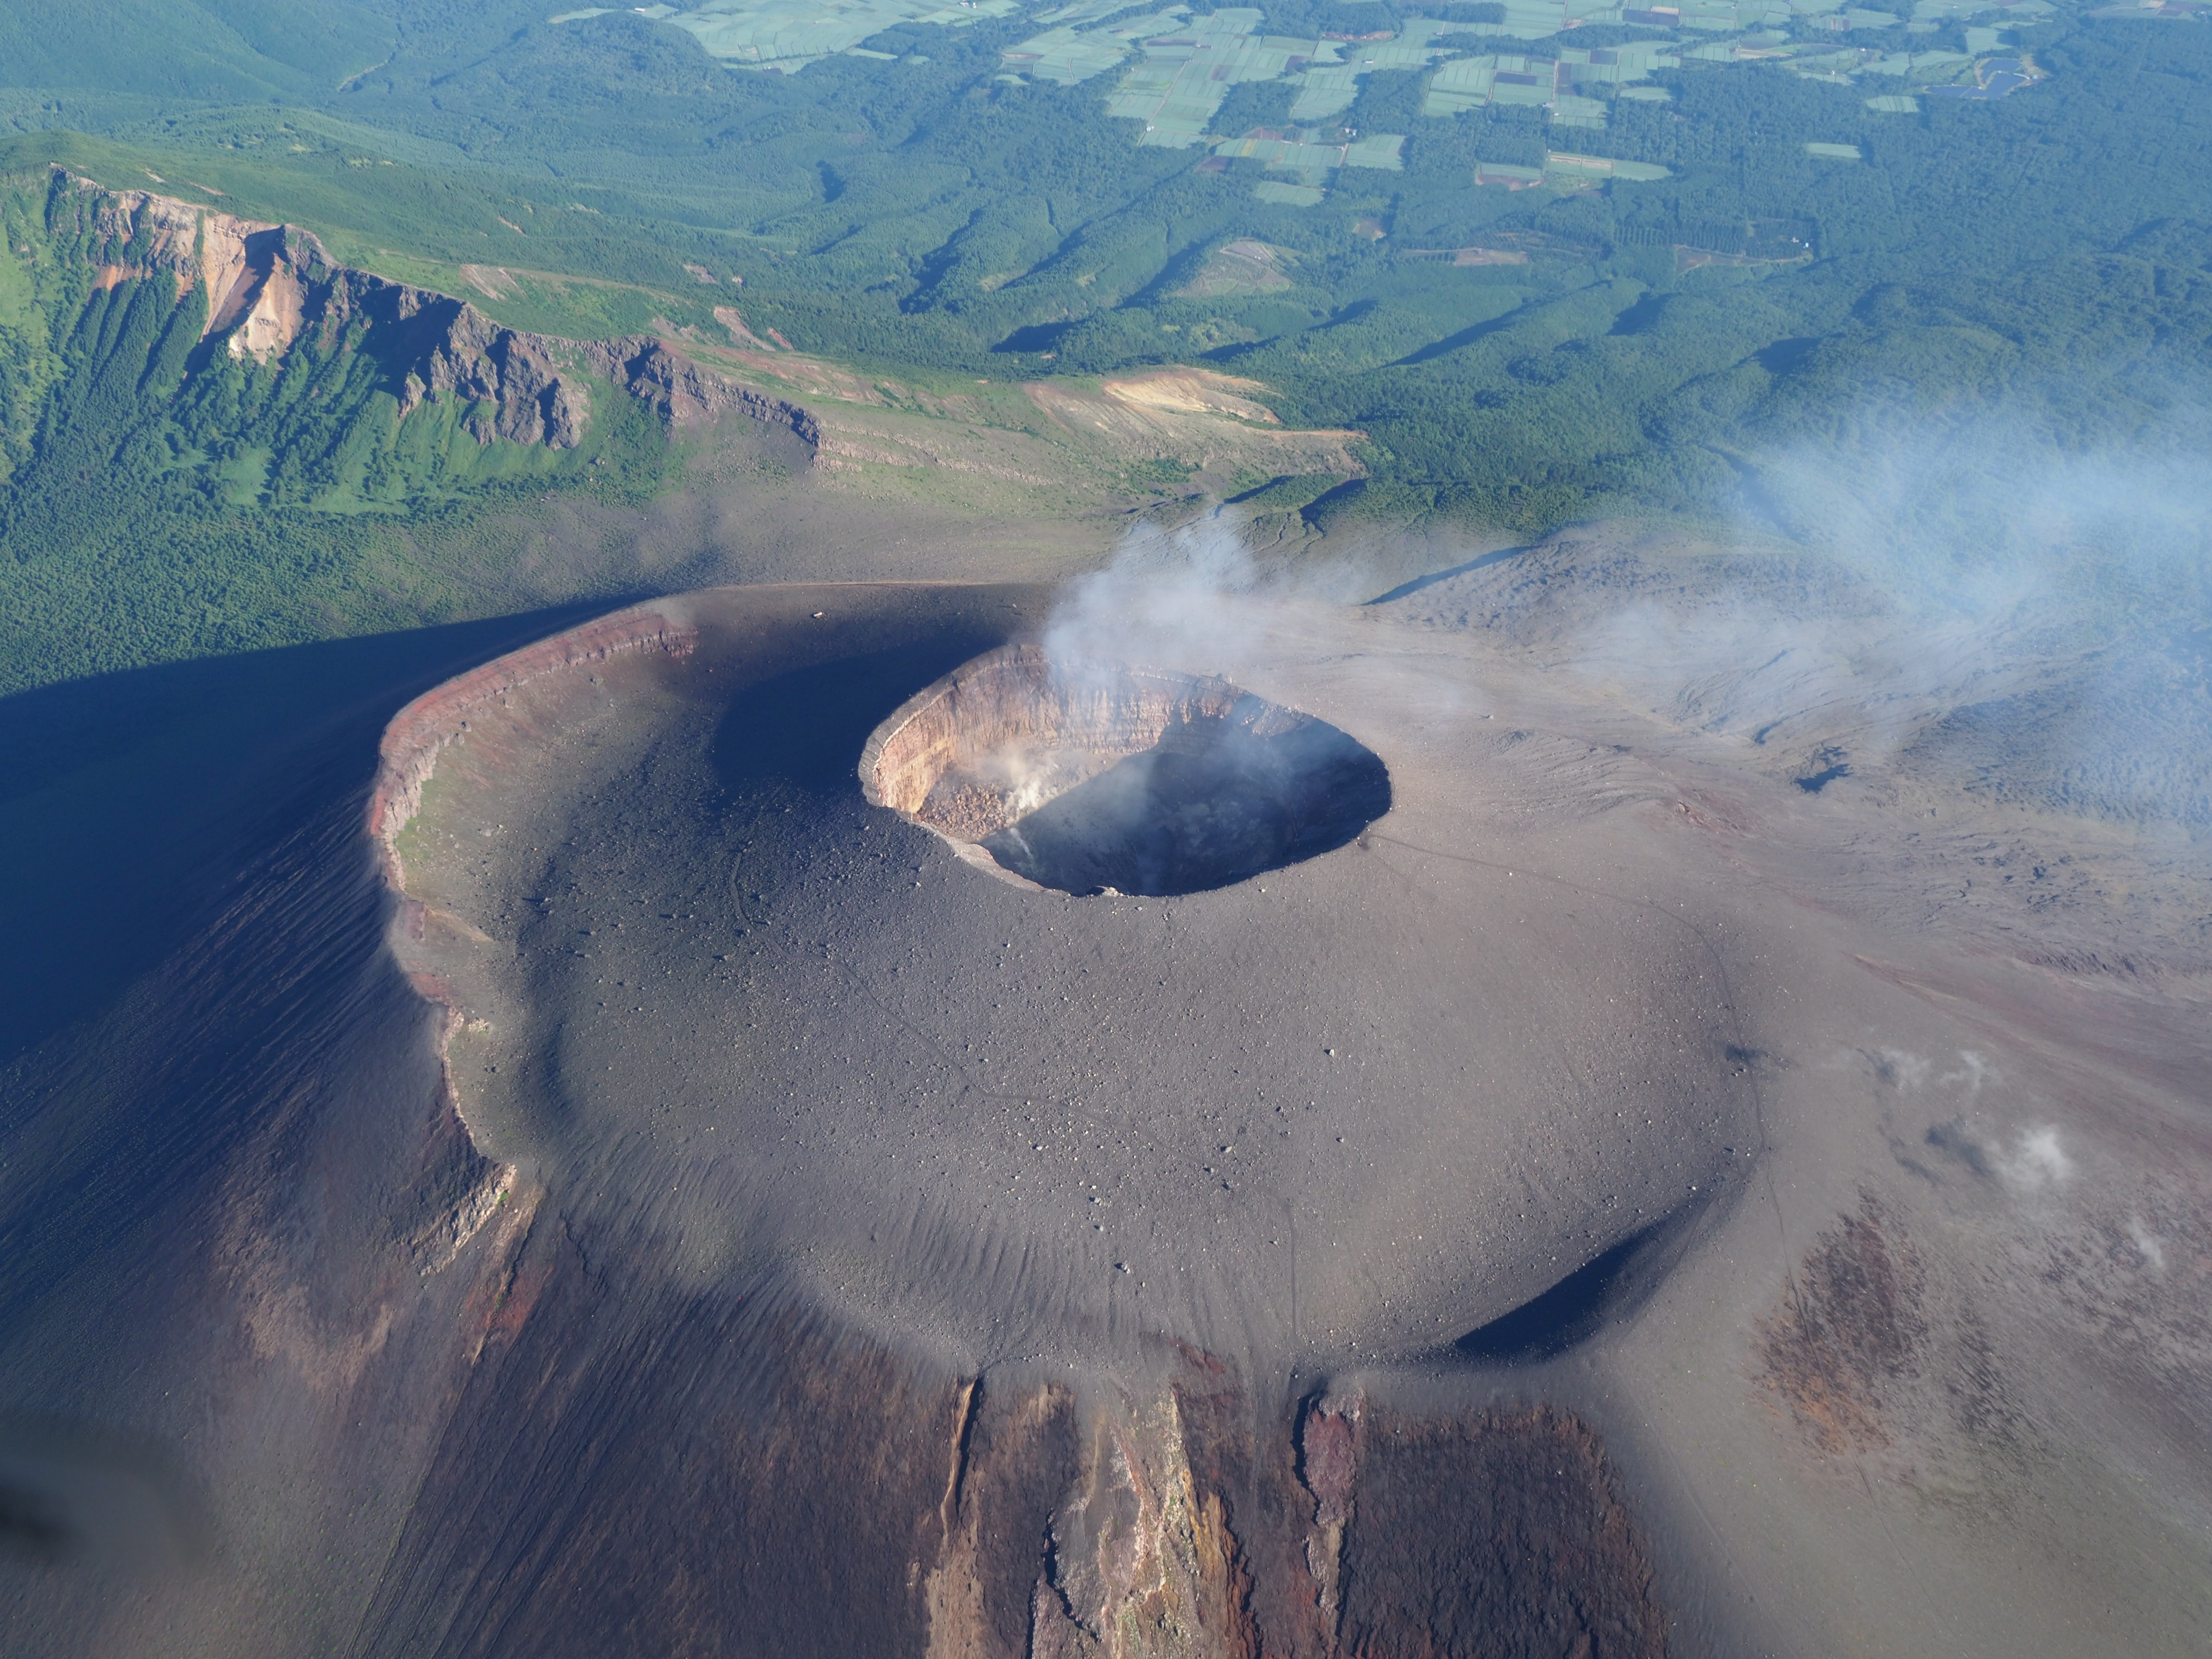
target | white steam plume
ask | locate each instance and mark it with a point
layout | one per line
(1169, 599)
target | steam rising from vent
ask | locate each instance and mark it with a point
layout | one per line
(1180, 595)
(1089, 776)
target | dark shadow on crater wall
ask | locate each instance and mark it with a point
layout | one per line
(1215, 805)
(203, 936)
(129, 803)
(1407, 588)
(807, 728)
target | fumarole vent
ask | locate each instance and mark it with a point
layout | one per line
(1097, 777)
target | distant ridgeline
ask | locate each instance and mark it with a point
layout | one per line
(1552, 260)
(192, 404)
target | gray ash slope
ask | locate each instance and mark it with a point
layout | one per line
(2054, 742)
(789, 1027)
(963, 1107)
(1929, 1373)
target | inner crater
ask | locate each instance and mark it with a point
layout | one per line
(1097, 777)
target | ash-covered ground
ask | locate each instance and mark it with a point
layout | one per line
(1363, 1104)
(1717, 1166)
(1616, 1065)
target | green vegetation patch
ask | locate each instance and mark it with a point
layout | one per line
(788, 36)
(202, 49)
(1076, 51)
(1623, 319)
(167, 496)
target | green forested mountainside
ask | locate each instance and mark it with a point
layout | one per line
(162, 495)
(940, 218)
(1517, 356)
(217, 50)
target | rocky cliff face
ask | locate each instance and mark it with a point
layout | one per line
(269, 287)
(1009, 732)
(876, 1509)
(684, 393)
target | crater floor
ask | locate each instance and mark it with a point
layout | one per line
(1096, 777)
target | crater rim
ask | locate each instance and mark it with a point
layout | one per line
(1094, 777)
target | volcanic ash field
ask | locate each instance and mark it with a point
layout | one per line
(1295, 1092)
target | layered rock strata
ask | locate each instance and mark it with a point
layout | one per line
(270, 286)
(408, 753)
(1001, 736)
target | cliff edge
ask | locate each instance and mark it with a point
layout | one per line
(270, 286)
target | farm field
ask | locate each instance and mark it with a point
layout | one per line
(1181, 80)
(1188, 67)
(1186, 74)
(788, 36)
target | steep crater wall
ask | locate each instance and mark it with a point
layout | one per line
(1101, 777)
